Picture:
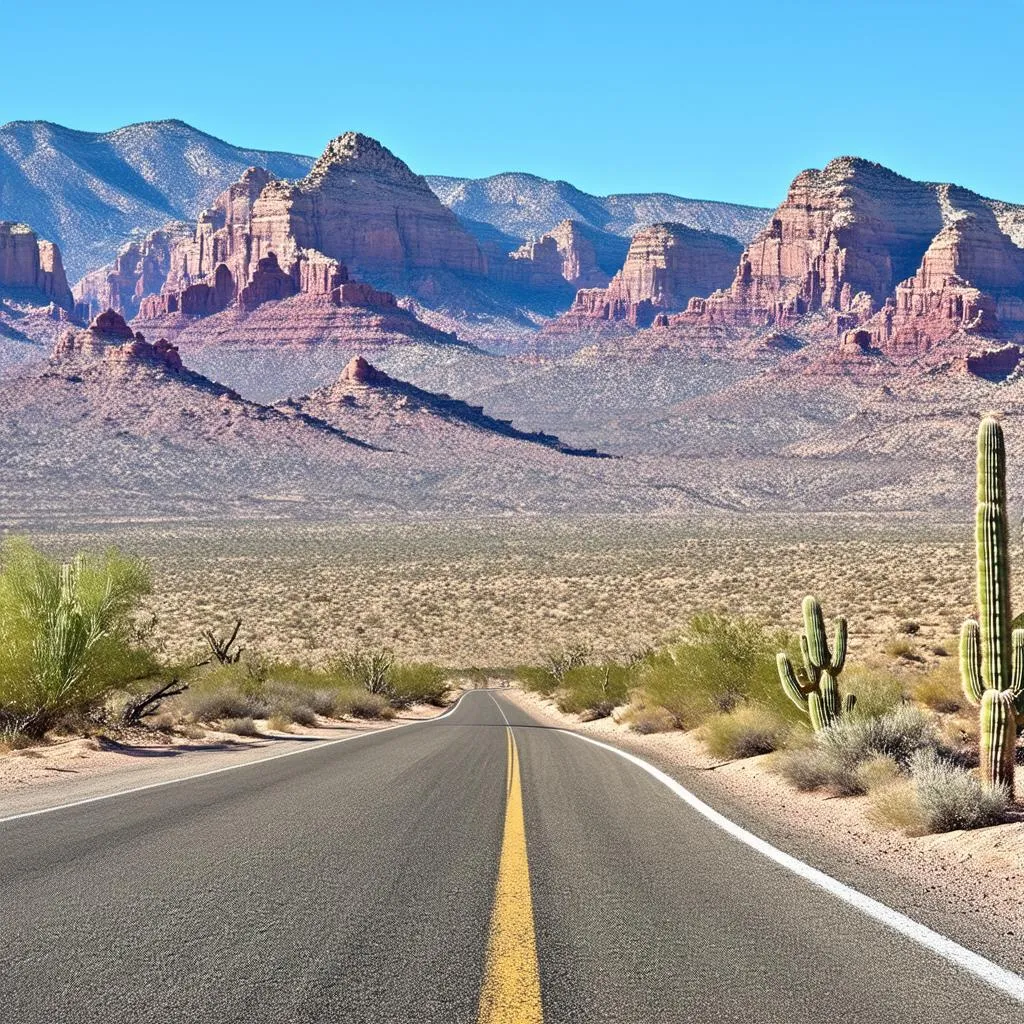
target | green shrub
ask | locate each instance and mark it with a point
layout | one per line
(362, 704)
(67, 633)
(835, 759)
(418, 683)
(940, 688)
(594, 689)
(534, 679)
(747, 731)
(720, 663)
(878, 690)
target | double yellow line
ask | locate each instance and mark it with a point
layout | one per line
(511, 989)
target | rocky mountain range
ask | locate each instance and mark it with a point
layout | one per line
(92, 192)
(526, 206)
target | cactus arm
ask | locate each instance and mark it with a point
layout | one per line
(816, 709)
(1017, 680)
(998, 738)
(813, 671)
(814, 630)
(849, 702)
(790, 684)
(970, 662)
(839, 646)
(831, 705)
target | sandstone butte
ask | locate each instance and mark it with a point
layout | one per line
(31, 265)
(666, 265)
(891, 266)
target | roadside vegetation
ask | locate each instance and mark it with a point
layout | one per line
(77, 657)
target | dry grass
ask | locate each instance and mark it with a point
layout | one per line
(748, 731)
(505, 591)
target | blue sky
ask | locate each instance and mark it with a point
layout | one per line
(717, 100)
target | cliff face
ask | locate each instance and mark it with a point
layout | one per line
(362, 206)
(28, 263)
(666, 265)
(141, 269)
(895, 266)
(573, 252)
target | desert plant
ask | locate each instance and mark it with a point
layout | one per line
(594, 690)
(221, 647)
(67, 636)
(417, 683)
(952, 798)
(818, 693)
(748, 731)
(370, 668)
(991, 656)
(240, 727)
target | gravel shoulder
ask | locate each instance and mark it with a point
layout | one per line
(965, 885)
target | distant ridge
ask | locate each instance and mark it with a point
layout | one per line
(525, 206)
(91, 191)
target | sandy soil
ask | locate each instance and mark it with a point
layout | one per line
(957, 881)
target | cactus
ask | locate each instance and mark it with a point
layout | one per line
(819, 696)
(991, 652)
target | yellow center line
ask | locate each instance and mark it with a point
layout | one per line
(511, 989)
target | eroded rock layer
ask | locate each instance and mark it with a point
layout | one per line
(31, 264)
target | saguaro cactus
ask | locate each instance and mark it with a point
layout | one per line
(818, 697)
(991, 658)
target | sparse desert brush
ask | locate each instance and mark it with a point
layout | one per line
(594, 690)
(646, 719)
(939, 796)
(279, 723)
(240, 727)
(719, 663)
(747, 731)
(939, 688)
(835, 760)
(900, 647)
(418, 683)
(362, 704)
(878, 689)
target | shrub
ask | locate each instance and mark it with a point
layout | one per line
(878, 690)
(240, 727)
(362, 704)
(647, 719)
(418, 683)
(534, 679)
(835, 759)
(897, 806)
(902, 648)
(952, 798)
(746, 732)
(67, 633)
(940, 688)
(719, 663)
(594, 689)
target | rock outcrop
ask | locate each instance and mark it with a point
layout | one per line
(109, 338)
(667, 264)
(887, 264)
(32, 265)
(573, 252)
(140, 270)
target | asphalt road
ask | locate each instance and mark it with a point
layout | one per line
(382, 879)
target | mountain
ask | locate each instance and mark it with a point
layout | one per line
(525, 206)
(90, 192)
(884, 266)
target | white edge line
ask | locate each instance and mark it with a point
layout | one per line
(228, 767)
(990, 973)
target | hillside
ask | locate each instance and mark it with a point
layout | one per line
(91, 191)
(526, 206)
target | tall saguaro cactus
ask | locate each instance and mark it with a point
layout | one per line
(818, 697)
(991, 659)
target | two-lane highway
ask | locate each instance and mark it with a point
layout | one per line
(477, 868)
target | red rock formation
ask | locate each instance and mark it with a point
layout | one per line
(33, 264)
(667, 264)
(567, 252)
(360, 371)
(140, 270)
(109, 338)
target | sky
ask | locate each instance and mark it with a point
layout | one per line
(713, 100)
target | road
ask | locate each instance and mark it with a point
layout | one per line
(478, 868)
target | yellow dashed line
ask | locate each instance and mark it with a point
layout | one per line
(511, 990)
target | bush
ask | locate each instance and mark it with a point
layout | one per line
(952, 798)
(67, 633)
(362, 704)
(836, 757)
(594, 689)
(719, 663)
(240, 727)
(534, 679)
(418, 683)
(878, 690)
(940, 688)
(748, 731)
(647, 719)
